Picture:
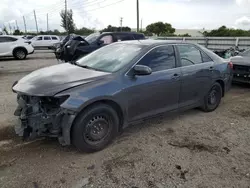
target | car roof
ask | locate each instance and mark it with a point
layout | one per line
(128, 33)
(152, 42)
(13, 36)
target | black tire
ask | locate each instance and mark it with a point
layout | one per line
(95, 128)
(20, 54)
(213, 98)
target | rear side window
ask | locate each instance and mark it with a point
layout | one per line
(160, 58)
(139, 36)
(39, 38)
(205, 57)
(46, 38)
(107, 39)
(54, 38)
(7, 39)
(122, 37)
(189, 55)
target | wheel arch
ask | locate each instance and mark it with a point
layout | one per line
(109, 102)
(222, 84)
(19, 47)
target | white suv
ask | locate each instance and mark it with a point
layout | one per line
(15, 46)
(44, 40)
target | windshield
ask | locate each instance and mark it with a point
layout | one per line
(92, 37)
(110, 58)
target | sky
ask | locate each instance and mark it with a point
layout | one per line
(182, 14)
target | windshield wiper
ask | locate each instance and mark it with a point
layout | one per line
(87, 67)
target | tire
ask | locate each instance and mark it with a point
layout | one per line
(95, 128)
(20, 54)
(213, 98)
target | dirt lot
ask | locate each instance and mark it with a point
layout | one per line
(192, 149)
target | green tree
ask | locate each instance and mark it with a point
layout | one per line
(160, 28)
(17, 32)
(184, 35)
(84, 31)
(5, 30)
(67, 21)
(223, 31)
(111, 28)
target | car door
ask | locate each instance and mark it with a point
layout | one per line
(158, 92)
(6, 45)
(197, 72)
(47, 41)
(37, 41)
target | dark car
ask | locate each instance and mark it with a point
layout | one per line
(77, 46)
(87, 103)
(241, 64)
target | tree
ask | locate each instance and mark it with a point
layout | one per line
(184, 35)
(5, 30)
(67, 21)
(84, 31)
(223, 31)
(160, 28)
(17, 32)
(111, 28)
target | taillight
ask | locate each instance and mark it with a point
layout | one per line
(230, 64)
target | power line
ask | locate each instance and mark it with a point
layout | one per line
(103, 6)
(78, 4)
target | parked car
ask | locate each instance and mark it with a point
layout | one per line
(28, 37)
(46, 41)
(78, 46)
(87, 103)
(11, 46)
(241, 64)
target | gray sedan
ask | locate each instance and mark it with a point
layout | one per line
(88, 103)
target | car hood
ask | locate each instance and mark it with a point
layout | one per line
(239, 60)
(54, 79)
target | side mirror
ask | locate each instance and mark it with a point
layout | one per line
(142, 70)
(100, 42)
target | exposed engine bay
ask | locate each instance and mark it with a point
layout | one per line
(42, 116)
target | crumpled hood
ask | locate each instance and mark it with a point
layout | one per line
(51, 80)
(239, 60)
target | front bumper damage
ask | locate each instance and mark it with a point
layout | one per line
(43, 117)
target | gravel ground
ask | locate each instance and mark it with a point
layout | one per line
(191, 149)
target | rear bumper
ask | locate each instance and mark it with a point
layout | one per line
(32, 51)
(241, 76)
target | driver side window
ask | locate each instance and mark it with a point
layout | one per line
(39, 38)
(189, 55)
(107, 39)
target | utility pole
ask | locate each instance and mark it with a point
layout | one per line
(141, 24)
(66, 16)
(24, 22)
(17, 25)
(137, 11)
(35, 21)
(47, 22)
(10, 28)
(121, 23)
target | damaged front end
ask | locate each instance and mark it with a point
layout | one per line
(43, 117)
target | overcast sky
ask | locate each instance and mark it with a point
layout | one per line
(182, 14)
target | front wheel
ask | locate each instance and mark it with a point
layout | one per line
(213, 98)
(20, 54)
(95, 128)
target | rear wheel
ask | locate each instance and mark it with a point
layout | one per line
(20, 54)
(213, 98)
(95, 128)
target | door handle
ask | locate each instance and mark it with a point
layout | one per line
(175, 76)
(211, 68)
